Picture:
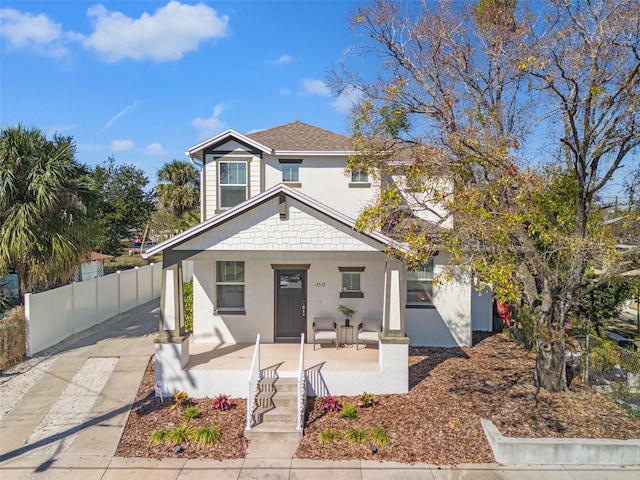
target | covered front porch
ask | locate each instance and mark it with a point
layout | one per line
(215, 369)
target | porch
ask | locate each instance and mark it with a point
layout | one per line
(215, 369)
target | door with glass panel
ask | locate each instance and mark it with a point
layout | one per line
(291, 304)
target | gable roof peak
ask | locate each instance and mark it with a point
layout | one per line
(298, 136)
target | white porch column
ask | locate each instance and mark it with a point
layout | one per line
(172, 343)
(394, 298)
(394, 343)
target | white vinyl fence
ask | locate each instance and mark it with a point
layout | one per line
(57, 314)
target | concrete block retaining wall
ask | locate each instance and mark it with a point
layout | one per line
(561, 451)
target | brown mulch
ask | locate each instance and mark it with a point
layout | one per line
(437, 422)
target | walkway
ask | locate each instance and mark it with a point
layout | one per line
(68, 422)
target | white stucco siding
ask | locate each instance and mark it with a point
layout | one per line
(448, 324)
(263, 229)
(323, 297)
(325, 180)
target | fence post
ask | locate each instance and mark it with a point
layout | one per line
(27, 316)
(137, 285)
(153, 292)
(119, 302)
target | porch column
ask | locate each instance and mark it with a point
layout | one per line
(172, 343)
(394, 343)
(394, 297)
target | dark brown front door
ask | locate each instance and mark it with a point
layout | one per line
(291, 304)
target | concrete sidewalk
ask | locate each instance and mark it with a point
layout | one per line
(42, 437)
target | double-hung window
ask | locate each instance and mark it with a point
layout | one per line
(420, 285)
(230, 286)
(351, 282)
(232, 183)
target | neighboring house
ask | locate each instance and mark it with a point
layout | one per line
(93, 268)
(277, 248)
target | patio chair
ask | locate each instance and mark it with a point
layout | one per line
(325, 328)
(368, 331)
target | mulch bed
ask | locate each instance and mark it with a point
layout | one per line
(437, 422)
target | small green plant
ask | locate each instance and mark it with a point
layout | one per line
(329, 435)
(378, 435)
(222, 402)
(191, 412)
(331, 404)
(208, 434)
(348, 411)
(367, 400)
(348, 312)
(181, 433)
(159, 435)
(355, 435)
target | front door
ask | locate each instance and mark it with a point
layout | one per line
(291, 304)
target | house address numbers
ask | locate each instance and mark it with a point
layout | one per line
(321, 284)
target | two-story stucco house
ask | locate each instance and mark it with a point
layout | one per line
(277, 249)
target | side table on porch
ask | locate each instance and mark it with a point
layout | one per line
(342, 335)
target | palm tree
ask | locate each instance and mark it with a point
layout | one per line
(178, 188)
(46, 199)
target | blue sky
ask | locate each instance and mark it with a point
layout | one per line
(145, 80)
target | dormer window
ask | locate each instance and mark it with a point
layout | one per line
(232, 184)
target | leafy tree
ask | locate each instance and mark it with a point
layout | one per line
(178, 187)
(460, 99)
(46, 207)
(124, 205)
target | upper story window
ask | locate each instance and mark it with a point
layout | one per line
(232, 183)
(290, 168)
(359, 177)
(420, 285)
(290, 173)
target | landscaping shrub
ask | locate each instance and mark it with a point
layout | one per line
(13, 337)
(331, 404)
(222, 402)
(187, 289)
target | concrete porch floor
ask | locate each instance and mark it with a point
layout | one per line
(284, 357)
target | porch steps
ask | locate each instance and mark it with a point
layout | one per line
(276, 412)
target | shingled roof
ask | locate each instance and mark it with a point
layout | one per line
(299, 136)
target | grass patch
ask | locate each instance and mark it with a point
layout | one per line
(181, 433)
(159, 436)
(191, 412)
(348, 411)
(378, 435)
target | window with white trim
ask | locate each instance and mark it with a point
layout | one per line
(359, 177)
(232, 188)
(420, 285)
(230, 286)
(351, 282)
(290, 173)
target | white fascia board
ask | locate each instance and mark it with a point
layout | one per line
(196, 150)
(313, 153)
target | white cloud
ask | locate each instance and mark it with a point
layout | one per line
(154, 150)
(346, 100)
(281, 60)
(37, 33)
(166, 35)
(122, 145)
(314, 87)
(207, 127)
(120, 114)
(285, 91)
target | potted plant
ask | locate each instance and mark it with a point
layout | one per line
(348, 313)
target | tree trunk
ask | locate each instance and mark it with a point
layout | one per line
(551, 371)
